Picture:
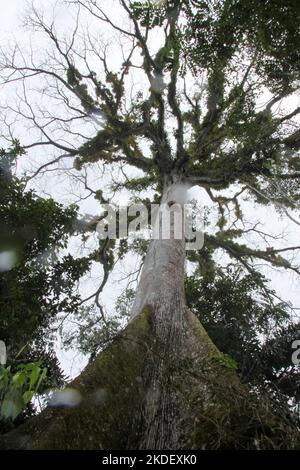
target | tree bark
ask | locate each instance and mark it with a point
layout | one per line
(161, 383)
(161, 288)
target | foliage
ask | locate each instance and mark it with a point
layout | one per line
(34, 288)
(245, 324)
(17, 389)
(93, 333)
(35, 282)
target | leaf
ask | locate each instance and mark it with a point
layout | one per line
(27, 396)
(11, 407)
(34, 375)
(42, 377)
(19, 379)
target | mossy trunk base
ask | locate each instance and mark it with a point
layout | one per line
(135, 398)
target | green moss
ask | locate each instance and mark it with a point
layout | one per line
(210, 405)
(225, 360)
(111, 388)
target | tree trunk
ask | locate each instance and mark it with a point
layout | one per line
(161, 288)
(161, 383)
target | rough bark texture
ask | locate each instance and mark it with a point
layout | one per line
(161, 384)
(162, 287)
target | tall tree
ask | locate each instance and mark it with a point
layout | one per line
(214, 114)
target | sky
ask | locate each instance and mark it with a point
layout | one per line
(11, 29)
(9, 13)
(286, 284)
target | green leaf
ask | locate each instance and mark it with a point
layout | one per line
(27, 396)
(34, 375)
(19, 379)
(42, 377)
(11, 407)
